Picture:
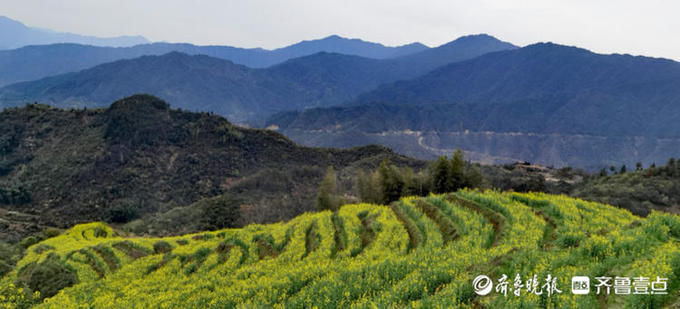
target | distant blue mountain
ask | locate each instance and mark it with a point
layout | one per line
(39, 61)
(340, 45)
(14, 34)
(463, 48)
(236, 91)
(36, 62)
(546, 103)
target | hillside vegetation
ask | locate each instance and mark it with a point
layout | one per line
(639, 190)
(140, 158)
(417, 252)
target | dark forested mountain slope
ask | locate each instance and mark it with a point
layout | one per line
(195, 82)
(59, 167)
(572, 89)
(548, 103)
(203, 83)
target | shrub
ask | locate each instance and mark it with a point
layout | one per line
(50, 232)
(161, 247)
(42, 248)
(29, 241)
(123, 214)
(569, 240)
(220, 212)
(48, 277)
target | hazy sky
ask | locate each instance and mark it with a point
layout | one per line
(648, 27)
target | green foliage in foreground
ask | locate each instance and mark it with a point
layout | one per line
(416, 252)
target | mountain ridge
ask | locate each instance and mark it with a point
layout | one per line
(15, 34)
(35, 62)
(538, 90)
(320, 79)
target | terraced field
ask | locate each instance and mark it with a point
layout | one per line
(418, 252)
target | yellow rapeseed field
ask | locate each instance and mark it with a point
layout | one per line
(427, 252)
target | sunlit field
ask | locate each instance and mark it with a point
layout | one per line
(418, 252)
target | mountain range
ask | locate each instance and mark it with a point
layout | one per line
(35, 62)
(14, 34)
(238, 92)
(557, 105)
(546, 103)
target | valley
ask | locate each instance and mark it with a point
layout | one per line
(487, 147)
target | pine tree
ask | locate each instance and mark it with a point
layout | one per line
(473, 177)
(439, 173)
(376, 193)
(326, 198)
(368, 185)
(457, 171)
(363, 184)
(603, 172)
(407, 176)
(391, 182)
(671, 167)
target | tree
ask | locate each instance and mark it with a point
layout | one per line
(407, 177)
(369, 187)
(327, 197)
(623, 169)
(603, 172)
(416, 183)
(220, 212)
(391, 182)
(123, 212)
(638, 166)
(671, 167)
(363, 185)
(439, 173)
(457, 171)
(473, 177)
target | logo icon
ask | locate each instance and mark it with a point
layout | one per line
(580, 285)
(482, 285)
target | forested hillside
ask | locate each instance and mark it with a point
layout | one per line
(139, 157)
(545, 103)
